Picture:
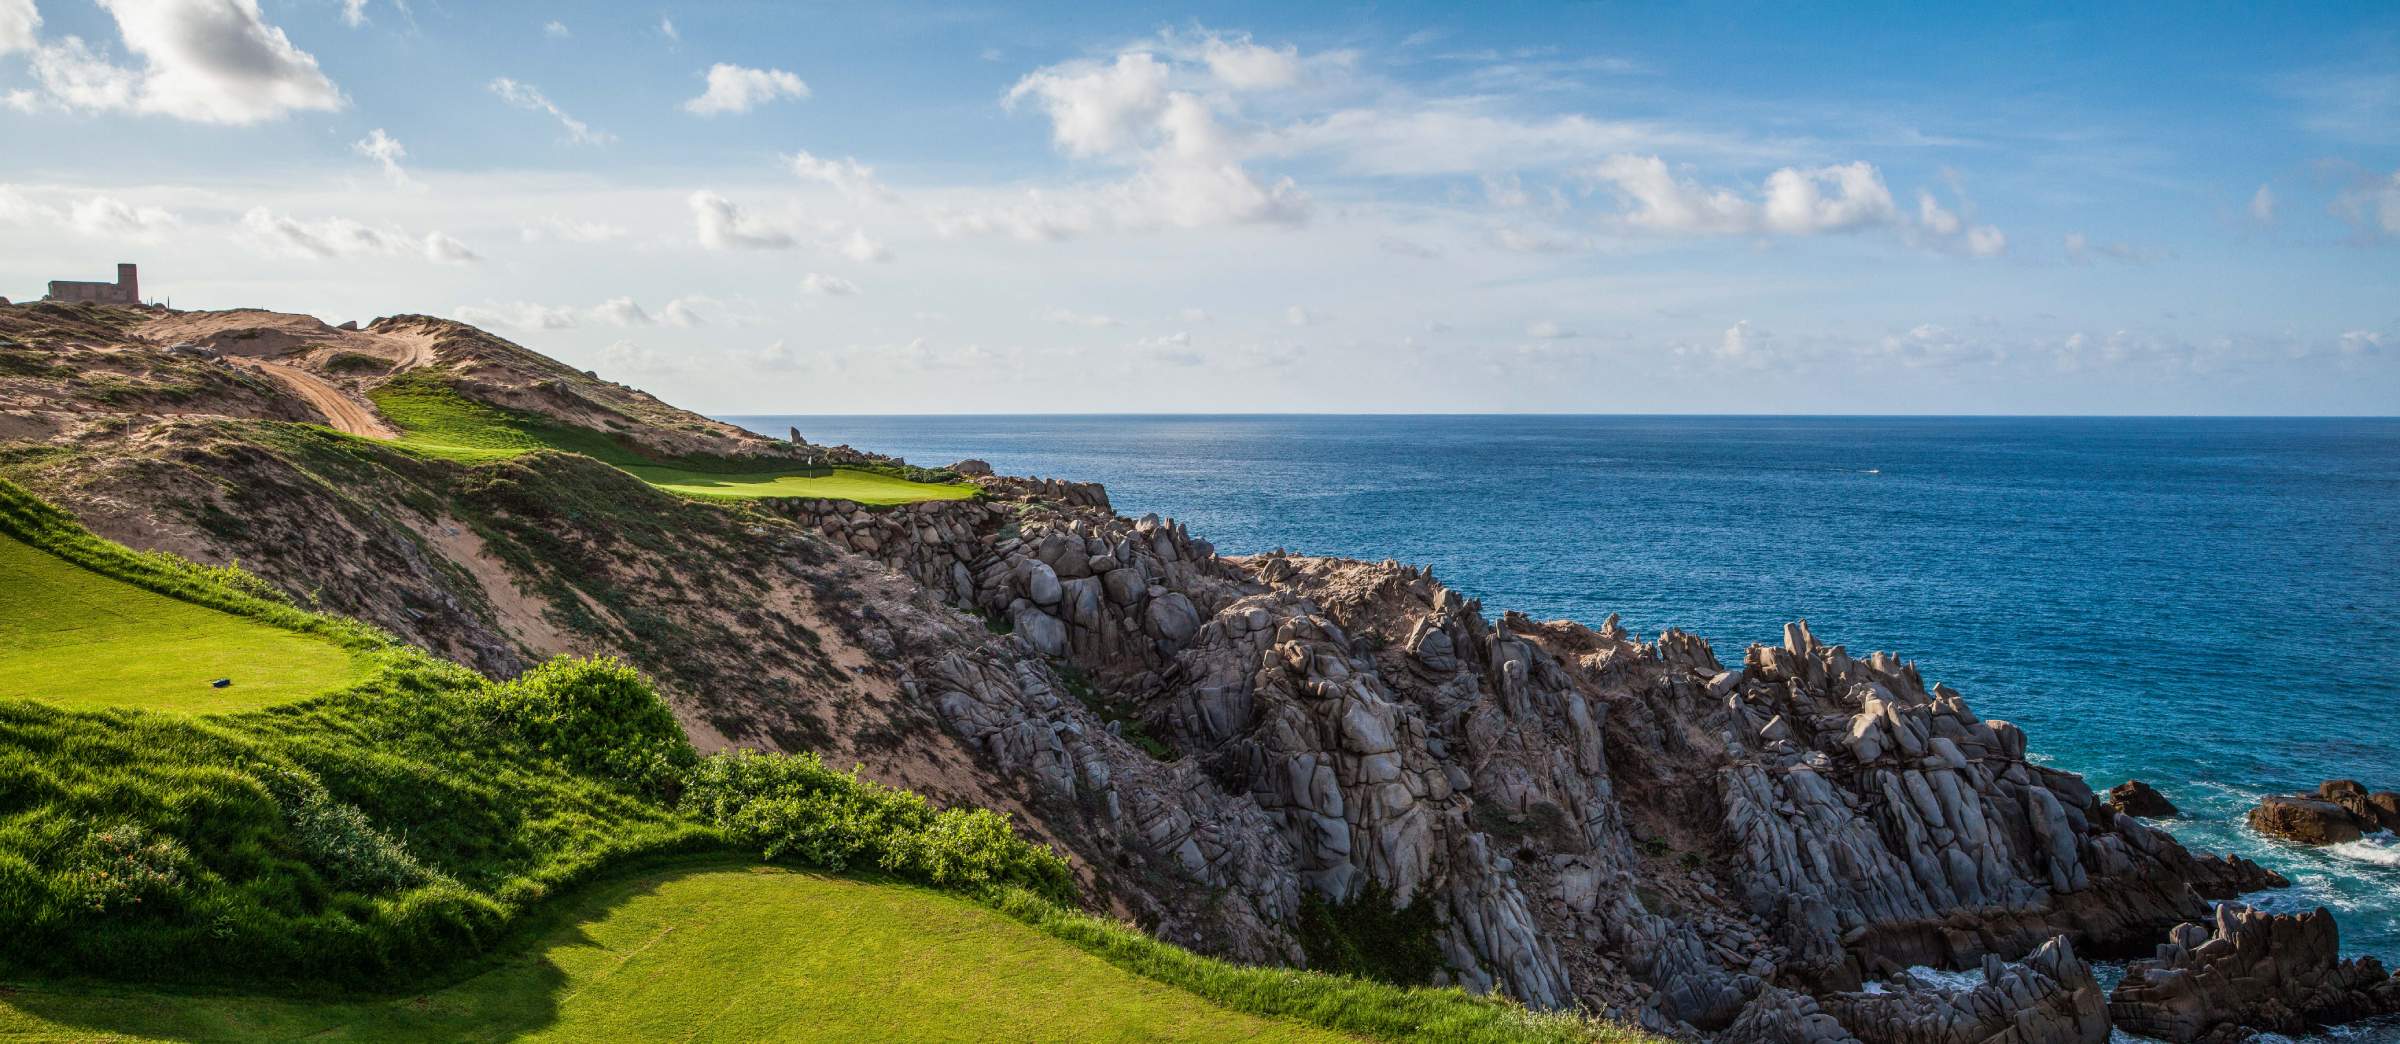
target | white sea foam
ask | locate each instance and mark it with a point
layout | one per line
(2381, 849)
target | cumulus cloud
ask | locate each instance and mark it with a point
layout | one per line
(1245, 66)
(725, 226)
(339, 237)
(2262, 205)
(1945, 229)
(1186, 165)
(685, 311)
(106, 216)
(354, 13)
(556, 30)
(19, 26)
(732, 88)
(1738, 344)
(854, 179)
(387, 152)
(530, 98)
(858, 246)
(206, 61)
(822, 285)
(621, 311)
(1792, 202)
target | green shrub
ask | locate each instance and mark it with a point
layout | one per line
(598, 715)
(117, 868)
(793, 807)
(341, 841)
(1370, 936)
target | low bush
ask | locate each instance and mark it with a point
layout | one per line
(1371, 936)
(598, 715)
(793, 807)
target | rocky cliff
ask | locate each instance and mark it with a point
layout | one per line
(1240, 753)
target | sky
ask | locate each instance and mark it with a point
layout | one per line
(988, 208)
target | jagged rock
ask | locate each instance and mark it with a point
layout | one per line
(2254, 972)
(2136, 798)
(2050, 997)
(970, 467)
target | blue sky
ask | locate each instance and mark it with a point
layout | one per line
(992, 208)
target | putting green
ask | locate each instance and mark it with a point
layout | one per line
(73, 638)
(718, 954)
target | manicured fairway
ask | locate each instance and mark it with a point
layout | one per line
(865, 487)
(439, 422)
(718, 954)
(73, 638)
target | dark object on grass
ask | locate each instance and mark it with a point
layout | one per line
(221, 683)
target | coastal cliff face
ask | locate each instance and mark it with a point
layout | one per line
(1231, 748)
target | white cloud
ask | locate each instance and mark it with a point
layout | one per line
(2262, 205)
(685, 312)
(858, 246)
(528, 97)
(1186, 163)
(1736, 345)
(1547, 330)
(1793, 202)
(522, 315)
(628, 357)
(19, 24)
(570, 231)
(387, 152)
(2374, 207)
(1936, 220)
(725, 226)
(732, 88)
(2361, 342)
(206, 61)
(1986, 241)
(1067, 317)
(1195, 315)
(666, 28)
(556, 30)
(2080, 248)
(852, 178)
(339, 237)
(105, 216)
(621, 311)
(1300, 316)
(1246, 66)
(354, 13)
(827, 286)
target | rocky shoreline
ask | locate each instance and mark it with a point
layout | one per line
(1713, 852)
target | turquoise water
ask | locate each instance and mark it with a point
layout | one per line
(2212, 605)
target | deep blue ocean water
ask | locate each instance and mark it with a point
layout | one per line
(2211, 605)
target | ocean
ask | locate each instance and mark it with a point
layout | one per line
(2209, 605)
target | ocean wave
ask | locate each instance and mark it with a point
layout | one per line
(2381, 849)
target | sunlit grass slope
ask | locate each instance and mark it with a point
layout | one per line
(719, 954)
(440, 422)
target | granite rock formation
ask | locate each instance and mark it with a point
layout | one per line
(2340, 810)
(2250, 972)
(2136, 798)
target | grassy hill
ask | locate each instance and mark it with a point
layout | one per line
(716, 953)
(84, 640)
(440, 422)
(336, 864)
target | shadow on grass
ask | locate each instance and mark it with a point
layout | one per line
(515, 990)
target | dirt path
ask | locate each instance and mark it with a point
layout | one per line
(341, 411)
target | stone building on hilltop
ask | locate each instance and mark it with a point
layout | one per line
(127, 290)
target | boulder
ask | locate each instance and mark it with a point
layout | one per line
(2304, 819)
(2254, 972)
(2050, 997)
(969, 467)
(2136, 798)
(1171, 617)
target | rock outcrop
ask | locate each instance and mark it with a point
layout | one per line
(2050, 997)
(2341, 810)
(2136, 798)
(2252, 972)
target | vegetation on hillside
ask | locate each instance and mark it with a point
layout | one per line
(441, 422)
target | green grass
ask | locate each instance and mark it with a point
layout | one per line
(78, 639)
(718, 954)
(865, 487)
(440, 422)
